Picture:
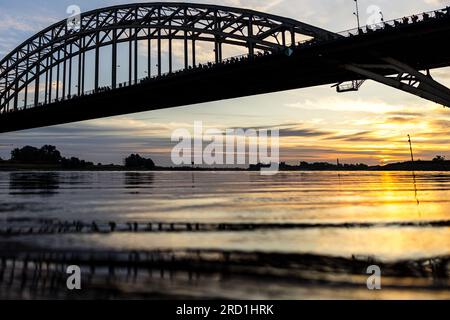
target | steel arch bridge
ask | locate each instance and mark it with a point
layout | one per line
(52, 64)
(156, 56)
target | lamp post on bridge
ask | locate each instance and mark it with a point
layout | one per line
(357, 15)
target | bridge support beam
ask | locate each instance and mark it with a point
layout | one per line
(69, 80)
(26, 88)
(136, 55)
(403, 77)
(97, 62)
(149, 55)
(114, 65)
(36, 83)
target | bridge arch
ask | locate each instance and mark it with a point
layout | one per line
(52, 64)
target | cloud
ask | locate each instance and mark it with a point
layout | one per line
(16, 27)
(401, 120)
(441, 124)
(339, 103)
(405, 114)
(303, 132)
(10, 21)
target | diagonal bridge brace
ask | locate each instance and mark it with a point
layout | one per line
(401, 76)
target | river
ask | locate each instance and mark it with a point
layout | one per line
(294, 235)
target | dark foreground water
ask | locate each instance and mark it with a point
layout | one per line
(302, 235)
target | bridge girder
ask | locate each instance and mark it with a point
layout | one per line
(405, 78)
(58, 45)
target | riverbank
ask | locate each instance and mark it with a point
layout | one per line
(8, 166)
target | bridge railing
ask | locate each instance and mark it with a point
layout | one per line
(398, 23)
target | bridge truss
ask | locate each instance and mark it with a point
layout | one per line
(52, 65)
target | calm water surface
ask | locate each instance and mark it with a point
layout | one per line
(385, 216)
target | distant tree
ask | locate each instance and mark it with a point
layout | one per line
(135, 161)
(439, 159)
(28, 154)
(75, 163)
(304, 164)
(50, 154)
(25, 154)
(258, 167)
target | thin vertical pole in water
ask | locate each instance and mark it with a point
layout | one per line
(413, 173)
(410, 148)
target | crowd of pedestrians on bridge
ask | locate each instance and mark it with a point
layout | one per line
(191, 69)
(426, 16)
(208, 66)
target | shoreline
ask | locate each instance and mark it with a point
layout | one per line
(419, 165)
(112, 169)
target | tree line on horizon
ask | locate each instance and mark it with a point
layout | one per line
(50, 155)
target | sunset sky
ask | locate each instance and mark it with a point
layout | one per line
(316, 124)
